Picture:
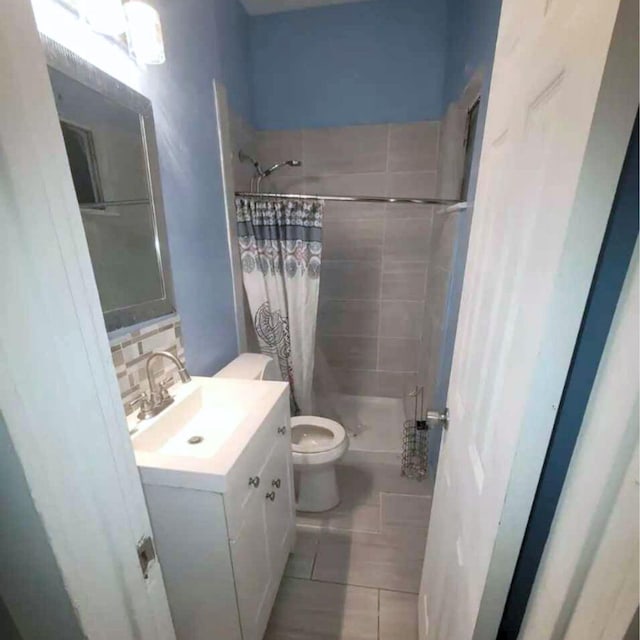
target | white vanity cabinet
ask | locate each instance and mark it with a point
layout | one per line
(223, 540)
(259, 551)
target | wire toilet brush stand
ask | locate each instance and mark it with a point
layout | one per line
(415, 437)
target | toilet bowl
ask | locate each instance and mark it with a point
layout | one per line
(316, 443)
(316, 446)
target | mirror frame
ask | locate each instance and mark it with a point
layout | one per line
(67, 62)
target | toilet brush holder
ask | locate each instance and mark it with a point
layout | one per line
(415, 451)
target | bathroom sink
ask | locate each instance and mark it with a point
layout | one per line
(195, 441)
(196, 425)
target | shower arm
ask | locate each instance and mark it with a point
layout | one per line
(261, 173)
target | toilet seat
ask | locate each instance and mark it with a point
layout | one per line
(313, 434)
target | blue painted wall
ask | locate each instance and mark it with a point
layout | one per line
(359, 63)
(471, 35)
(231, 38)
(613, 263)
(203, 40)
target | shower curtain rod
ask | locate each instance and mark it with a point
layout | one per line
(452, 205)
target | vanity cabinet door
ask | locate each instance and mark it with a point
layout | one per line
(252, 571)
(280, 512)
(261, 521)
(246, 482)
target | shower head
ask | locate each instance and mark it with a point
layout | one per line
(263, 173)
(286, 163)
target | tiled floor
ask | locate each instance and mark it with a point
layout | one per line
(355, 571)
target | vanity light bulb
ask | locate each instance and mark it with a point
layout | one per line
(104, 16)
(145, 32)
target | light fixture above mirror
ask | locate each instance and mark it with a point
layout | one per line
(104, 16)
(134, 24)
(144, 32)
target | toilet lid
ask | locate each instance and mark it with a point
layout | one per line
(312, 434)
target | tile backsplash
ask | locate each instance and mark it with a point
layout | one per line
(129, 351)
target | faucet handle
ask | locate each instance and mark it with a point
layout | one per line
(139, 399)
(163, 388)
(143, 401)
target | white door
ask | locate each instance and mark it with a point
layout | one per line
(561, 106)
(58, 391)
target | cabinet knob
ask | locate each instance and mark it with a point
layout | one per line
(254, 482)
(271, 496)
(276, 483)
(282, 430)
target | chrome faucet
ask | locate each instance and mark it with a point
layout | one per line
(159, 397)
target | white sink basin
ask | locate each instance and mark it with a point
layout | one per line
(204, 414)
(194, 442)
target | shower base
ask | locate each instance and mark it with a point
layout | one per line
(374, 425)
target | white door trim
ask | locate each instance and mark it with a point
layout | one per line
(58, 389)
(227, 150)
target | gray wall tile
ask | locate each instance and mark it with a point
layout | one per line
(351, 210)
(242, 137)
(437, 286)
(348, 184)
(413, 146)
(349, 317)
(342, 279)
(430, 357)
(398, 354)
(401, 319)
(400, 211)
(349, 352)
(412, 184)
(353, 239)
(279, 146)
(393, 384)
(407, 239)
(345, 149)
(279, 183)
(357, 382)
(443, 239)
(403, 280)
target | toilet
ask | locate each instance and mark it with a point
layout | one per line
(316, 443)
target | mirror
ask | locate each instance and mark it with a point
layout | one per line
(110, 142)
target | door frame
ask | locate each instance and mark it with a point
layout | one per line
(58, 390)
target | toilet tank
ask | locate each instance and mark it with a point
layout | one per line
(251, 366)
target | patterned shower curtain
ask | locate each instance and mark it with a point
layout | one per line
(280, 249)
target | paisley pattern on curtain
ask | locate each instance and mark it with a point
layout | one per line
(280, 250)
